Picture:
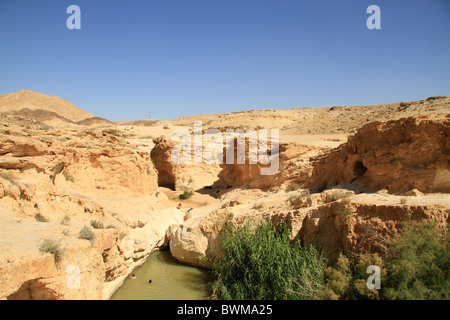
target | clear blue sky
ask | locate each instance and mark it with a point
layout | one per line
(185, 57)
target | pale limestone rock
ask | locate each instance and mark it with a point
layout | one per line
(188, 244)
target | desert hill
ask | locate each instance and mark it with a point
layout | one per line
(317, 126)
(49, 110)
(323, 120)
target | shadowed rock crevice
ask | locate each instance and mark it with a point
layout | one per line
(33, 290)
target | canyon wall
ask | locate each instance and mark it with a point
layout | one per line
(400, 155)
(409, 156)
(335, 220)
(55, 183)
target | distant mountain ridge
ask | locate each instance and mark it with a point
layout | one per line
(44, 107)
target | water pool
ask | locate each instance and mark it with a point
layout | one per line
(171, 280)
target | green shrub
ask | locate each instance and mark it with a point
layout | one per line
(293, 186)
(346, 213)
(86, 233)
(68, 177)
(65, 220)
(347, 279)
(258, 206)
(97, 224)
(261, 263)
(341, 194)
(419, 267)
(39, 217)
(53, 247)
(186, 195)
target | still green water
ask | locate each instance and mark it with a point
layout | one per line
(171, 280)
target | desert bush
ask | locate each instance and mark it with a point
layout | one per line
(347, 279)
(186, 194)
(53, 247)
(39, 217)
(261, 263)
(293, 186)
(97, 224)
(86, 234)
(114, 132)
(8, 177)
(68, 177)
(346, 213)
(419, 266)
(65, 220)
(258, 206)
(342, 194)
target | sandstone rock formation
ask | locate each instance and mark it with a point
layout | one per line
(52, 184)
(401, 155)
(336, 220)
(409, 156)
(180, 176)
(87, 159)
(293, 163)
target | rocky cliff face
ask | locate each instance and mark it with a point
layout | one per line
(336, 220)
(293, 163)
(407, 156)
(339, 221)
(400, 155)
(52, 184)
(180, 176)
(91, 161)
